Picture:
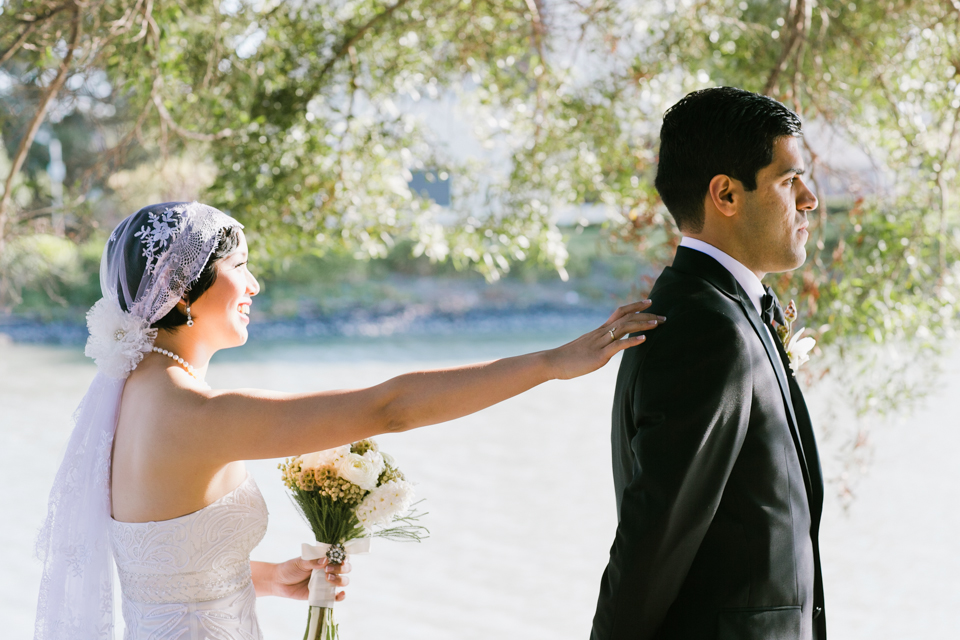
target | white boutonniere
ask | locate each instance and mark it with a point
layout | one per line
(797, 347)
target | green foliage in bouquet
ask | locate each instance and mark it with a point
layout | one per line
(332, 520)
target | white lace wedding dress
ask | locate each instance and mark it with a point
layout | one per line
(189, 578)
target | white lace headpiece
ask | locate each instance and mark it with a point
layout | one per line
(150, 261)
(148, 264)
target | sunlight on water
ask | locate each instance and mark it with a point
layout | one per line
(520, 501)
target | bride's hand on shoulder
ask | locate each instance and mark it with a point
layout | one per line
(291, 579)
(592, 350)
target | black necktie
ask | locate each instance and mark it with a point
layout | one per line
(771, 309)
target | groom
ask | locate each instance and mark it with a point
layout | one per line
(718, 483)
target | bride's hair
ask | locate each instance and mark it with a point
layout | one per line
(142, 239)
(228, 243)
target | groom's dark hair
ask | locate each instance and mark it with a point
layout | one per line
(723, 130)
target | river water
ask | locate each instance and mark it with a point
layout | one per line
(520, 501)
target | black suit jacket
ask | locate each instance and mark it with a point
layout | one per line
(718, 484)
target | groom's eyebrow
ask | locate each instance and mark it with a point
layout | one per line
(796, 170)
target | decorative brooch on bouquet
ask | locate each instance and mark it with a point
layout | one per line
(798, 348)
(347, 495)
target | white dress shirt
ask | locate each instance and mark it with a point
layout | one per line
(747, 279)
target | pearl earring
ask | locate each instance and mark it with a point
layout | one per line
(189, 317)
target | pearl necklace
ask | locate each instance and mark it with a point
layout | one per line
(183, 363)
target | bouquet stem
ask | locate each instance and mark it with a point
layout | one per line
(320, 624)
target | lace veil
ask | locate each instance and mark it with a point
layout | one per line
(149, 262)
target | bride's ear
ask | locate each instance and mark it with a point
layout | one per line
(183, 306)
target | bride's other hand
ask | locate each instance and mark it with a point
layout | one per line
(592, 350)
(291, 579)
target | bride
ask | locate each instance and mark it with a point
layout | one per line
(153, 478)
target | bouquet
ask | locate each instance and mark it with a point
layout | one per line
(347, 495)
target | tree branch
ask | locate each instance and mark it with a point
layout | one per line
(797, 23)
(186, 133)
(538, 28)
(32, 23)
(18, 43)
(34, 125)
(118, 149)
(126, 21)
(344, 47)
(945, 195)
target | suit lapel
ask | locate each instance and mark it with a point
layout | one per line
(776, 359)
(812, 458)
(701, 265)
(803, 435)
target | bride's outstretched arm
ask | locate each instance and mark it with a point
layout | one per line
(290, 579)
(254, 424)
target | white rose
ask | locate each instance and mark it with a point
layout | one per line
(360, 470)
(376, 459)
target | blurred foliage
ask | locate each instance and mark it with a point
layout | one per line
(882, 281)
(41, 268)
(305, 120)
(60, 280)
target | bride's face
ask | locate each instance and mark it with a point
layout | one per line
(221, 313)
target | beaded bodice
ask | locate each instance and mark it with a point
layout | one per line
(192, 565)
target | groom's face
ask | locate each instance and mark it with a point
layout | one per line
(775, 213)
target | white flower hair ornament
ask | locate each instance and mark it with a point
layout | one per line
(118, 339)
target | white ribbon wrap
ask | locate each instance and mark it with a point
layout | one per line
(322, 592)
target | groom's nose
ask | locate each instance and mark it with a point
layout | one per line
(806, 200)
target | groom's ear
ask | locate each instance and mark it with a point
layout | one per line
(725, 194)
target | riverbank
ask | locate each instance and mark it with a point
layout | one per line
(341, 296)
(413, 320)
(390, 304)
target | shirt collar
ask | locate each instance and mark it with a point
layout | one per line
(746, 278)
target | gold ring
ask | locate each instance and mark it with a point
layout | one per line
(613, 336)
